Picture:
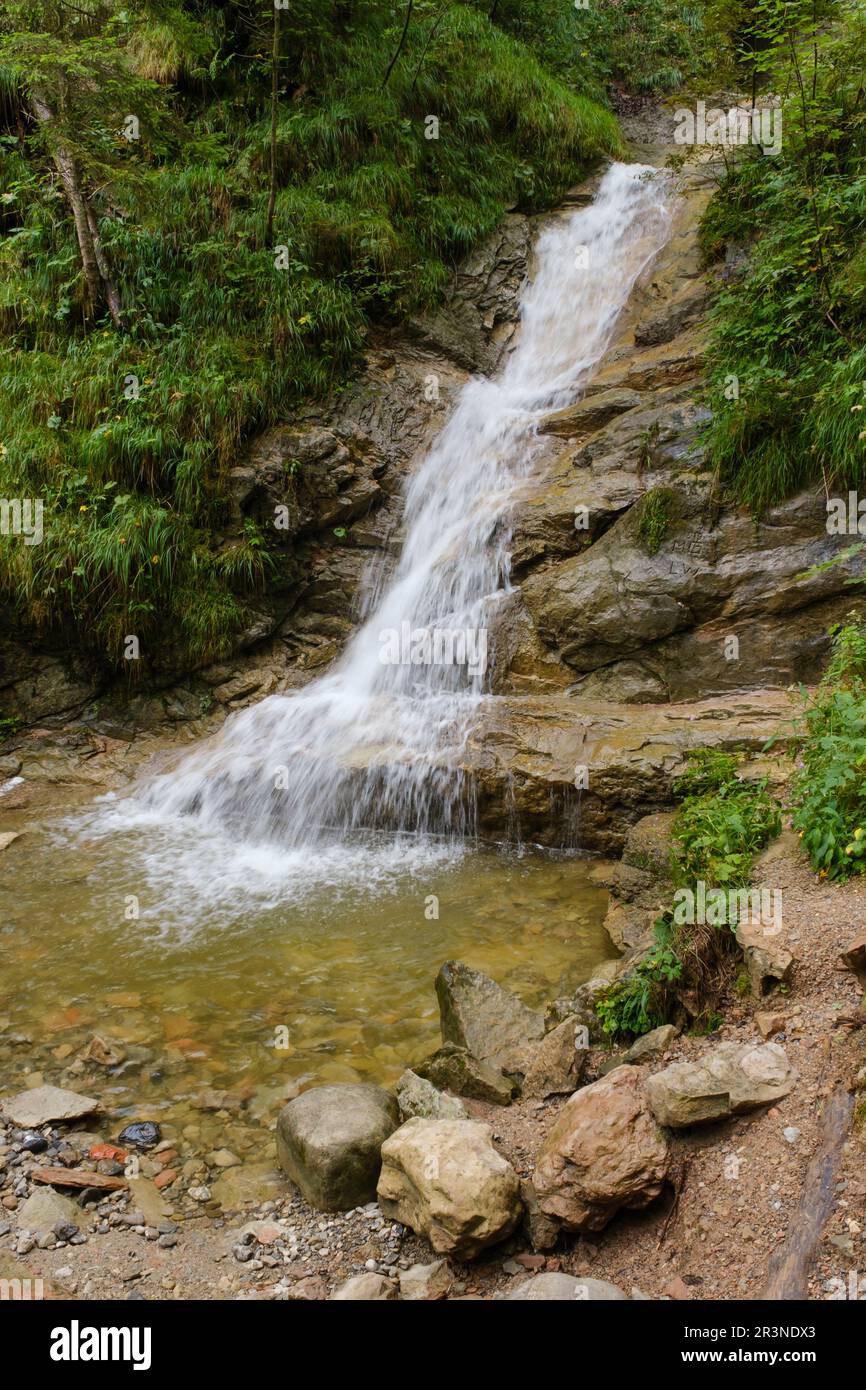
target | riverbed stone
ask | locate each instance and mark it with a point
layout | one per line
(365, 1288)
(565, 1288)
(426, 1282)
(44, 1209)
(453, 1068)
(418, 1096)
(478, 1014)
(46, 1105)
(329, 1141)
(605, 1152)
(445, 1180)
(728, 1081)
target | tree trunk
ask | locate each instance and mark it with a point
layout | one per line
(93, 260)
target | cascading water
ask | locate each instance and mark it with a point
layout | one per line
(377, 741)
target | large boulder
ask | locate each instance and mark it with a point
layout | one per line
(452, 1068)
(445, 1179)
(565, 1288)
(476, 1013)
(730, 1080)
(605, 1152)
(329, 1141)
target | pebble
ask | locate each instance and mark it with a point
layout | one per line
(791, 1134)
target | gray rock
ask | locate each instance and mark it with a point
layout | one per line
(45, 1105)
(476, 1013)
(544, 1288)
(45, 1209)
(329, 1142)
(727, 1081)
(452, 1068)
(652, 1043)
(418, 1096)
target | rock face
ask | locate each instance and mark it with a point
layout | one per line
(418, 1097)
(730, 1080)
(329, 1141)
(605, 1152)
(476, 1013)
(445, 1179)
(46, 1104)
(565, 1288)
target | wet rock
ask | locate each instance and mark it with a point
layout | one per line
(147, 1201)
(768, 960)
(565, 1288)
(445, 1180)
(418, 1097)
(605, 1152)
(141, 1134)
(103, 1052)
(46, 1209)
(589, 414)
(365, 1288)
(247, 1185)
(728, 1081)
(46, 1105)
(476, 1013)
(32, 1142)
(452, 1068)
(556, 1064)
(329, 1141)
(426, 1282)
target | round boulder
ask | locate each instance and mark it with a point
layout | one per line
(329, 1143)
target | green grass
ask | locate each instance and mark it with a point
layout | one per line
(789, 325)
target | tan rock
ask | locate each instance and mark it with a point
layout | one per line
(728, 1081)
(45, 1105)
(365, 1288)
(426, 1282)
(445, 1180)
(768, 960)
(605, 1152)
(854, 956)
(767, 1024)
(557, 1063)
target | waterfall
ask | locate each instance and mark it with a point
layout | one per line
(377, 741)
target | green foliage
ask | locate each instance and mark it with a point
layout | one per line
(829, 789)
(640, 1003)
(370, 213)
(789, 325)
(656, 513)
(719, 831)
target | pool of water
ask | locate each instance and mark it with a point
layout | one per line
(209, 974)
